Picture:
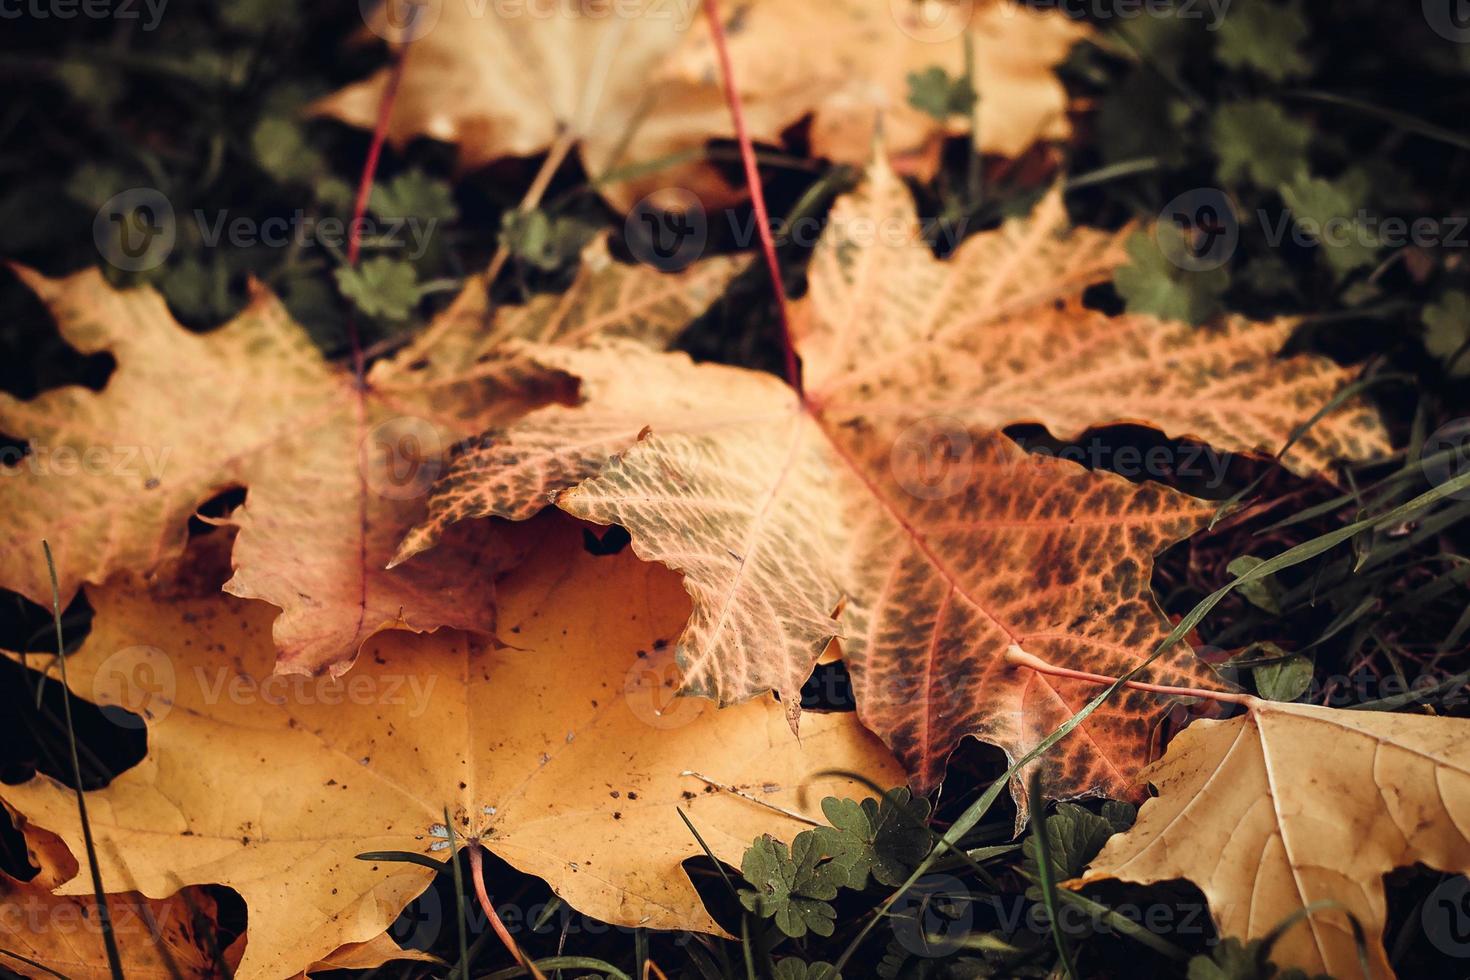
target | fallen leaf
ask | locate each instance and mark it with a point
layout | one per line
(168, 938)
(1291, 804)
(335, 474)
(888, 509)
(560, 749)
(368, 956)
(639, 84)
(847, 65)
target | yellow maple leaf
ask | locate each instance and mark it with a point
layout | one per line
(560, 749)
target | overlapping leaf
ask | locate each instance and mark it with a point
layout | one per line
(156, 938)
(639, 85)
(886, 508)
(1292, 804)
(559, 749)
(335, 472)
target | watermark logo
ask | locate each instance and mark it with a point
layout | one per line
(1446, 917)
(1450, 19)
(413, 692)
(402, 457)
(134, 686)
(418, 926)
(932, 21)
(1212, 12)
(400, 21)
(1446, 455)
(931, 459)
(135, 230)
(934, 917)
(149, 12)
(651, 689)
(1207, 230)
(667, 229)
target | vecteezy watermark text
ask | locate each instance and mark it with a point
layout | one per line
(136, 230)
(145, 462)
(148, 12)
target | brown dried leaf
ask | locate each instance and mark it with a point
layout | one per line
(1292, 804)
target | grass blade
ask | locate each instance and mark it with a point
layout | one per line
(104, 914)
(1047, 882)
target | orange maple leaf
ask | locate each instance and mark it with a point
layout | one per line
(886, 508)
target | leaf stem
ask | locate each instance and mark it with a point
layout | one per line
(477, 872)
(365, 191)
(757, 195)
(734, 791)
(1020, 658)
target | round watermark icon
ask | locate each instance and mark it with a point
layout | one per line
(932, 459)
(135, 231)
(1446, 455)
(1446, 916)
(400, 21)
(933, 917)
(667, 229)
(1450, 19)
(651, 688)
(400, 458)
(134, 686)
(418, 925)
(932, 21)
(1205, 231)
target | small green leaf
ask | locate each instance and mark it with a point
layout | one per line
(792, 968)
(280, 147)
(1262, 593)
(886, 838)
(543, 242)
(92, 184)
(1267, 38)
(1233, 960)
(1256, 142)
(1328, 211)
(1152, 284)
(1447, 332)
(413, 195)
(334, 194)
(935, 92)
(89, 83)
(791, 887)
(380, 287)
(1074, 835)
(1286, 679)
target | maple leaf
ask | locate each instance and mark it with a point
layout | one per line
(1367, 792)
(508, 84)
(173, 936)
(560, 749)
(887, 508)
(335, 472)
(156, 938)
